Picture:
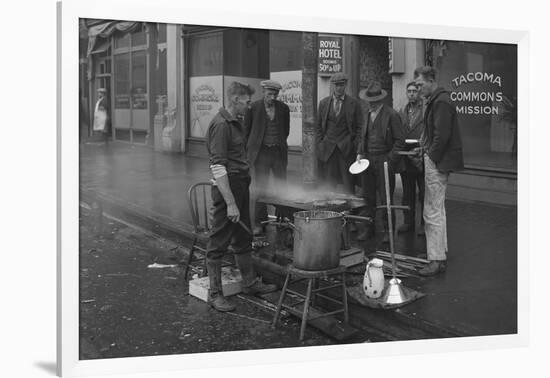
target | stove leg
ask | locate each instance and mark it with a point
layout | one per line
(280, 303)
(345, 298)
(306, 309)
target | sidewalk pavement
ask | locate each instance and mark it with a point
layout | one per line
(476, 296)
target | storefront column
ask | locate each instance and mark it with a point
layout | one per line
(351, 64)
(309, 108)
(412, 52)
(172, 134)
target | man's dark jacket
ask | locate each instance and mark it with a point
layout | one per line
(391, 125)
(442, 135)
(354, 119)
(414, 132)
(255, 122)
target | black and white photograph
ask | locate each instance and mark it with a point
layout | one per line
(246, 189)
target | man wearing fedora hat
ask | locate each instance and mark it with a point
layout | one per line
(380, 139)
(339, 119)
(267, 125)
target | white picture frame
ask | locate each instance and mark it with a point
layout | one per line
(68, 193)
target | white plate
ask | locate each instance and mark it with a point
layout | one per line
(358, 166)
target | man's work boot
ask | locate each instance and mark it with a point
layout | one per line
(215, 295)
(251, 284)
(433, 268)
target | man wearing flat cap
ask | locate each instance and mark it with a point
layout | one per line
(267, 125)
(380, 139)
(338, 122)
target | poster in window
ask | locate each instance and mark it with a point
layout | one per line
(139, 99)
(122, 101)
(206, 97)
(291, 94)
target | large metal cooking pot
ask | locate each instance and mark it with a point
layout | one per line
(317, 239)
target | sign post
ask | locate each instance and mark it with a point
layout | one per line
(330, 55)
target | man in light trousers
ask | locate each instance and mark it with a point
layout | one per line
(442, 146)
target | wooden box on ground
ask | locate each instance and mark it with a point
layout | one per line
(231, 284)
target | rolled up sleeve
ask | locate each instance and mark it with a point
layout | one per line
(218, 144)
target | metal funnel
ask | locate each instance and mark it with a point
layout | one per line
(396, 293)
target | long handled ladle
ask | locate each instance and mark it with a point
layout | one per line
(395, 293)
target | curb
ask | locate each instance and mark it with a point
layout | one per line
(373, 320)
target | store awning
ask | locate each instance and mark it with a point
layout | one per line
(101, 47)
(105, 30)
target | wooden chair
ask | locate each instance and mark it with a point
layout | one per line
(200, 202)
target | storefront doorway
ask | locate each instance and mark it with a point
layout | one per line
(131, 121)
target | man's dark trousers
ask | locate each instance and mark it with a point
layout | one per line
(337, 170)
(224, 232)
(411, 178)
(268, 160)
(374, 185)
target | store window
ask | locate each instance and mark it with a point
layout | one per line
(161, 64)
(131, 110)
(161, 33)
(139, 80)
(482, 79)
(205, 55)
(205, 81)
(139, 38)
(285, 51)
(218, 59)
(122, 41)
(122, 81)
(246, 53)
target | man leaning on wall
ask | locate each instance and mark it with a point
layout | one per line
(442, 149)
(339, 120)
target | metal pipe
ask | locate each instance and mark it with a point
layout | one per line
(390, 222)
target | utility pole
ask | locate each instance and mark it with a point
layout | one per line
(309, 108)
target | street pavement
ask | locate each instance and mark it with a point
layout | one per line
(476, 296)
(128, 309)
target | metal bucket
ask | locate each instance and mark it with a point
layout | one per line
(317, 239)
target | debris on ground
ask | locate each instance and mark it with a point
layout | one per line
(405, 266)
(248, 317)
(160, 266)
